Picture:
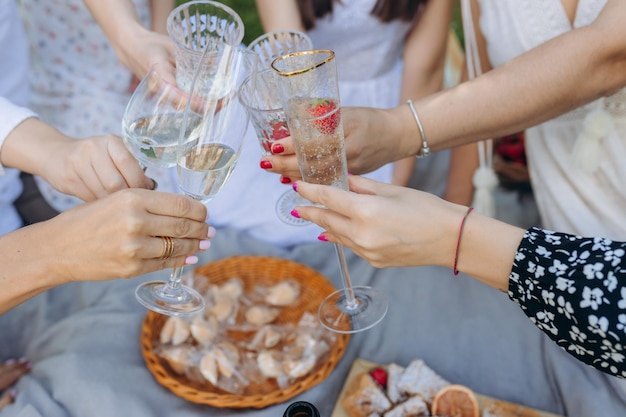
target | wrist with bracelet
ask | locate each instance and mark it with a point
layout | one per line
(458, 241)
(424, 149)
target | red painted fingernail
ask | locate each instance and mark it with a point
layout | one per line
(295, 213)
(266, 164)
(295, 186)
(322, 238)
(278, 148)
(285, 180)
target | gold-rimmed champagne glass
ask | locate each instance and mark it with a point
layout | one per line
(309, 93)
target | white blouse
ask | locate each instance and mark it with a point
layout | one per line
(13, 92)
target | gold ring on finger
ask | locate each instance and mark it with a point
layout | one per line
(168, 247)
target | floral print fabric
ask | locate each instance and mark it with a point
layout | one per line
(574, 289)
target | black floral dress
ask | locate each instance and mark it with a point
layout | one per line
(574, 289)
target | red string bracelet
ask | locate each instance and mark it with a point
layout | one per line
(458, 241)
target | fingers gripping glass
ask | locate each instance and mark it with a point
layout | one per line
(310, 96)
(204, 133)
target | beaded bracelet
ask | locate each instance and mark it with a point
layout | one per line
(424, 150)
(458, 241)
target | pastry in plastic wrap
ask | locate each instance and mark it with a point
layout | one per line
(412, 407)
(419, 379)
(365, 398)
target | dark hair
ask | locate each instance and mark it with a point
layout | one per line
(385, 10)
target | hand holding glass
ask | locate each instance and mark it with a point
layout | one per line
(210, 126)
(259, 95)
(309, 94)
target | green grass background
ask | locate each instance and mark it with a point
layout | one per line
(247, 11)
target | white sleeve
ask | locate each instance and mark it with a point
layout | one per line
(10, 116)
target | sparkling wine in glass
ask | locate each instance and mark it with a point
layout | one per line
(208, 147)
(309, 93)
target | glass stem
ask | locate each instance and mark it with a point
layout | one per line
(173, 288)
(351, 302)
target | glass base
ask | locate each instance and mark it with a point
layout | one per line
(182, 302)
(369, 308)
(287, 202)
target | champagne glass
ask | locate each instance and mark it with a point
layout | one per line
(260, 97)
(309, 94)
(208, 146)
(151, 126)
(202, 26)
(271, 45)
(153, 118)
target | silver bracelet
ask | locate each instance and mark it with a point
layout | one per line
(425, 149)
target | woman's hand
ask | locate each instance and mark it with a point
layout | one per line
(88, 168)
(386, 225)
(92, 168)
(373, 138)
(389, 225)
(117, 236)
(10, 372)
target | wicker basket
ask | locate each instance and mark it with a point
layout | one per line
(253, 270)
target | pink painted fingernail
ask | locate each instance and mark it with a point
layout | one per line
(294, 185)
(212, 232)
(191, 260)
(278, 148)
(322, 238)
(285, 180)
(204, 244)
(266, 164)
(295, 213)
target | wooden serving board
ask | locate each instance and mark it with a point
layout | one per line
(496, 407)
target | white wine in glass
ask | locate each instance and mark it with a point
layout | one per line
(208, 148)
(154, 117)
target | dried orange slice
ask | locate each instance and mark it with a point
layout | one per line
(455, 401)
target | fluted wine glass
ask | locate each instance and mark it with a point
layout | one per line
(309, 94)
(208, 146)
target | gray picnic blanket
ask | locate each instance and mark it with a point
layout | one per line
(83, 341)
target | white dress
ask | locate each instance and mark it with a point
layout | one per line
(369, 66)
(569, 198)
(77, 83)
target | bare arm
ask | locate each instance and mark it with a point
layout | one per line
(423, 62)
(110, 238)
(279, 15)
(464, 159)
(159, 12)
(397, 226)
(137, 47)
(546, 82)
(88, 169)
